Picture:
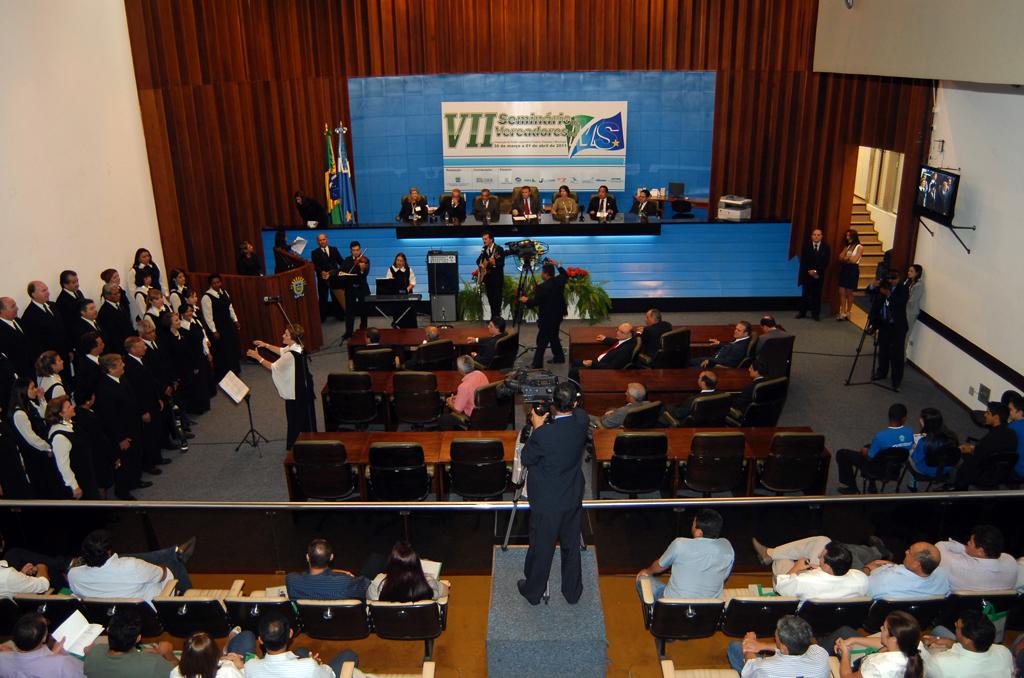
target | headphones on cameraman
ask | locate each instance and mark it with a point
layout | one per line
(566, 396)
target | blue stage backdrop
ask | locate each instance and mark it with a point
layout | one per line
(396, 127)
(695, 260)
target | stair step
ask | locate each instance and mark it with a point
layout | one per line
(860, 209)
(857, 219)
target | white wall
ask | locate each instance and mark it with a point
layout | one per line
(860, 182)
(75, 189)
(977, 294)
(885, 224)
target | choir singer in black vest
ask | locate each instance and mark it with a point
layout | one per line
(553, 455)
(220, 317)
(293, 380)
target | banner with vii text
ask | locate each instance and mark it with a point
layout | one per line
(503, 144)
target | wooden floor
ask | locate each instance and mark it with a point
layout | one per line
(461, 650)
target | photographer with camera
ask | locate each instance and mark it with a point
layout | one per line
(553, 456)
(889, 318)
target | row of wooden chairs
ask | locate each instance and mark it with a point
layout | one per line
(769, 398)
(435, 355)
(685, 619)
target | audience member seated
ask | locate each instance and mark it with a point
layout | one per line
(899, 650)
(650, 333)
(745, 397)
(700, 564)
(795, 653)
(121, 655)
(817, 567)
(898, 434)
(321, 582)
(934, 436)
(971, 651)
(980, 564)
(414, 207)
(19, 574)
(453, 207)
(707, 382)
(1015, 410)
(770, 331)
(636, 394)
(602, 202)
(403, 579)
(487, 347)
(462, 401)
(919, 575)
(1000, 438)
(31, 657)
(431, 334)
(200, 657)
(276, 635)
(731, 354)
(105, 574)
(618, 356)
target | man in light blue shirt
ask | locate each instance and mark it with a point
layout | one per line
(699, 565)
(898, 434)
(918, 576)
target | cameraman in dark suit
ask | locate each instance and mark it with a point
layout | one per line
(813, 261)
(549, 298)
(553, 455)
(326, 260)
(889, 318)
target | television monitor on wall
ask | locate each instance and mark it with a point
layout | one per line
(936, 194)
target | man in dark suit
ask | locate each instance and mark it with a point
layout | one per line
(549, 299)
(14, 341)
(147, 388)
(553, 457)
(888, 317)
(87, 362)
(356, 287)
(326, 260)
(68, 302)
(813, 261)
(731, 354)
(118, 409)
(485, 207)
(603, 202)
(707, 382)
(743, 399)
(487, 347)
(42, 321)
(618, 356)
(525, 205)
(414, 207)
(115, 318)
(491, 267)
(650, 334)
(453, 207)
(87, 320)
(1000, 438)
(643, 206)
(774, 356)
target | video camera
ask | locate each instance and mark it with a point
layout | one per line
(535, 386)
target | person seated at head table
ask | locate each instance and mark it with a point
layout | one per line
(453, 207)
(485, 207)
(525, 205)
(643, 206)
(603, 203)
(565, 207)
(414, 207)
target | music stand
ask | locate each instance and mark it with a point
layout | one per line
(237, 390)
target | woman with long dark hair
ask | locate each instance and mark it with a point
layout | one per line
(196, 388)
(141, 296)
(899, 654)
(30, 432)
(177, 291)
(403, 579)
(248, 263)
(849, 273)
(144, 263)
(915, 289)
(200, 658)
(934, 436)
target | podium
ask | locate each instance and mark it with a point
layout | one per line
(297, 290)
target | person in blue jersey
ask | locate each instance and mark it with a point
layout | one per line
(897, 434)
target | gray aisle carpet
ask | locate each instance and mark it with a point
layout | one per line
(848, 415)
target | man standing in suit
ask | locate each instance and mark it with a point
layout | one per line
(487, 347)
(118, 408)
(549, 298)
(326, 260)
(889, 318)
(147, 390)
(525, 205)
(453, 207)
(114, 317)
(14, 341)
(604, 203)
(643, 206)
(813, 261)
(68, 300)
(731, 354)
(618, 356)
(43, 323)
(87, 320)
(491, 264)
(650, 333)
(553, 456)
(357, 288)
(485, 208)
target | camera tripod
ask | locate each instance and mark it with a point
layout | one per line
(874, 360)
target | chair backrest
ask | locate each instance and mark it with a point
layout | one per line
(436, 355)
(794, 462)
(350, 399)
(709, 410)
(942, 457)
(716, 462)
(572, 194)
(416, 398)
(478, 468)
(639, 462)
(374, 360)
(759, 614)
(996, 469)
(776, 355)
(769, 399)
(54, 607)
(348, 382)
(534, 193)
(887, 464)
(100, 610)
(645, 415)
(682, 619)
(490, 411)
(246, 612)
(8, 616)
(398, 472)
(182, 616)
(321, 469)
(333, 619)
(825, 616)
(925, 610)
(408, 621)
(675, 350)
(505, 352)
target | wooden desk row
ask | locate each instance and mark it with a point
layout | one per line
(605, 389)
(437, 446)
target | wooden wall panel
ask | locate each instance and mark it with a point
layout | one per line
(235, 93)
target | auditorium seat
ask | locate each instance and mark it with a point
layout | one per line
(639, 464)
(246, 611)
(678, 618)
(674, 352)
(669, 670)
(995, 470)
(759, 614)
(776, 356)
(435, 355)
(398, 472)
(505, 352)
(988, 602)
(766, 406)
(926, 610)
(885, 468)
(9, 614)
(53, 606)
(181, 616)
(348, 670)
(333, 619)
(478, 470)
(794, 462)
(374, 360)
(100, 610)
(321, 470)
(706, 411)
(425, 620)
(715, 463)
(572, 194)
(751, 350)
(350, 401)
(416, 400)
(491, 412)
(643, 416)
(943, 459)
(825, 616)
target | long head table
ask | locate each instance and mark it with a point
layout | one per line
(405, 339)
(605, 389)
(584, 345)
(437, 446)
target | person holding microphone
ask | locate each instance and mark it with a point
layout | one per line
(292, 379)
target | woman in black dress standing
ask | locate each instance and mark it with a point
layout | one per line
(293, 380)
(849, 273)
(30, 432)
(195, 385)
